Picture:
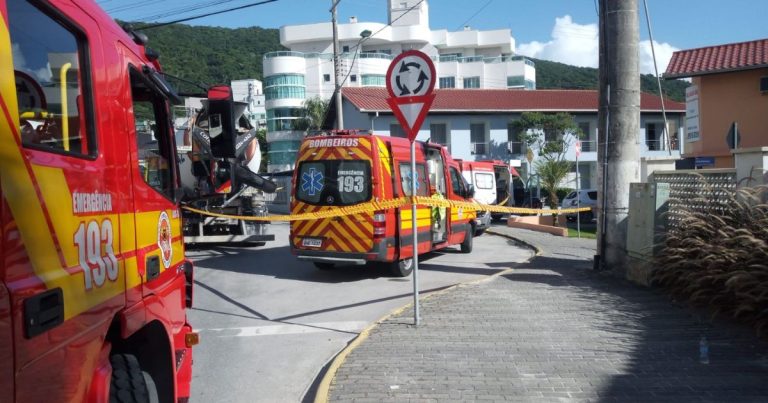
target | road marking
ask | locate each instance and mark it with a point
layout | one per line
(283, 329)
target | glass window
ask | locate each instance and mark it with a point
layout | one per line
(472, 82)
(447, 82)
(153, 135)
(326, 77)
(457, 182)
(395, 130)
(438, 133)
(530, 85)
(334, 182)
(422, 186)
(283, 86)
(374, 80)
(515, 81)
(477, 137)
(50, 63)
(353, 78)
(484, 180)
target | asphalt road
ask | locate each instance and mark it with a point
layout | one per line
(269, 323)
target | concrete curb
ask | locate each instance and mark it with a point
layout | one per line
(324, 388)
(535, 248)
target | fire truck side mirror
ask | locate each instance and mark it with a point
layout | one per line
(222, 126)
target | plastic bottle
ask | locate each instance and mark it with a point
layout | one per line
(703, 350)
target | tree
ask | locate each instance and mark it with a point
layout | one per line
(547, 135)
(315, 109)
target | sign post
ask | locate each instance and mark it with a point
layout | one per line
(410, 81)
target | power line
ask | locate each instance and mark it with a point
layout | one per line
(474, 15)
(207, 15)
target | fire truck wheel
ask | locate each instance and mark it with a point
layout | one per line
(324, 266)
(401, 268)
(129, 383)
(466, 246)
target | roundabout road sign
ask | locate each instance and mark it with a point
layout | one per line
(410, 81)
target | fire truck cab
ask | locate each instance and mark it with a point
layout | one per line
(94, 285)
(334, 171)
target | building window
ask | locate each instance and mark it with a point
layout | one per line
(447, 82)
(515, 81)
(374, 80)
(326, 77)
(477, 138)
(530, 85)
(438, 133)
(345, 49)
(283, 86)
(515, 142)
(49, 58)
(353, 78)
(395, 130)
(279, 119)
(472, 82)
(449, 57)
(653, 136)
(587, 140)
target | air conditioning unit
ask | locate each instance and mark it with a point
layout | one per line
(764, 84)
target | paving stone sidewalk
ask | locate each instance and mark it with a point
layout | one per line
(553, 330)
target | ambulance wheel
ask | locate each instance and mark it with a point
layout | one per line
(466, 246)
(401, 268)
(324, 266)
(129, 383)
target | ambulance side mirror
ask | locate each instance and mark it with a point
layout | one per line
(470, 192)
(222, 126)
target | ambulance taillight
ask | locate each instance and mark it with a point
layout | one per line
(379, 224)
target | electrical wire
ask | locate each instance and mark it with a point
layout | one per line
(474, 15)
(206, 15)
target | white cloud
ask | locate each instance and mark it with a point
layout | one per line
(577, 45)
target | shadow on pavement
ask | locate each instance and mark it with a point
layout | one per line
(642, 347)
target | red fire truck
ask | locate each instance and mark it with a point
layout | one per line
(94, 285)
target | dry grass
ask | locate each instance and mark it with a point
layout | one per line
(717, 256)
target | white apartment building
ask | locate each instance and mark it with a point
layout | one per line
(251, 92)
(464, 59)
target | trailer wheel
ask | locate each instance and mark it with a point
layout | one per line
(401, 268)
(129, 383)
(466, 246)
(324, 266)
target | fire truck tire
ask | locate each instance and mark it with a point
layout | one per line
(129, 383)
(466, 246)
(324, 266)
(401, 268)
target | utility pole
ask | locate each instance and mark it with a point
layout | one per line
(336, 65)
(619, 126)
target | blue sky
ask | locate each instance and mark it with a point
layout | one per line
(560, 30)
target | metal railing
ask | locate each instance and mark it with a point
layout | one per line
(516, 147)
(660, 145)
(479, 148)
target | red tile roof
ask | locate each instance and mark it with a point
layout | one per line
(720, 58)
(372, 99)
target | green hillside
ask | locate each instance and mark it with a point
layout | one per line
(214, 55)
(552, 75)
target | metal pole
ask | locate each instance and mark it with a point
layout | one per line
(578, 195)
(658, 79)
(336, 66)
(415, 238)
(603, 223)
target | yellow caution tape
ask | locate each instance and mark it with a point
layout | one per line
(387, 204)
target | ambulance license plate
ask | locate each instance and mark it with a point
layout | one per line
(312, 242)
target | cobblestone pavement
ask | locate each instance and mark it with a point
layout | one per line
(553, 330)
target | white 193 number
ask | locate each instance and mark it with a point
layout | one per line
(96, 253)
(349, 184)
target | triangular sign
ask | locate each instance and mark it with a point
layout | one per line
(410, 112)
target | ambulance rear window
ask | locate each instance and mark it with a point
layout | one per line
(334, 182)
(484, 180)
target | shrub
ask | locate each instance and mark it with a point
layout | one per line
(717, 257)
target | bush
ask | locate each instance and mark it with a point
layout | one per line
(717, 256)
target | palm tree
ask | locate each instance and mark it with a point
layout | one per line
(551, 173)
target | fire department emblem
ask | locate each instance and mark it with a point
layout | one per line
(164, 239)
